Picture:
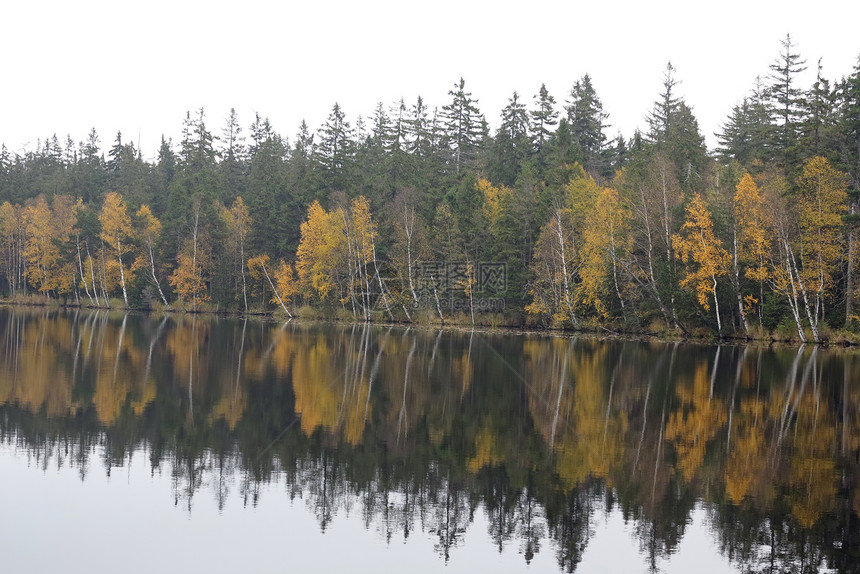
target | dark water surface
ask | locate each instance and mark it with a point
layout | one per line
(140, 444)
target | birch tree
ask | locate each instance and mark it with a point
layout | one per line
(148, 232)
(706, 259)
(116, 232)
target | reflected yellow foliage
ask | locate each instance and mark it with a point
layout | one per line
(488, 452)
(573, 411)
(330, 395)
(813, 478)
(118, 361)
(695, 421)
(230, 407)
(30, 378)
(747, 458)
(139, 405)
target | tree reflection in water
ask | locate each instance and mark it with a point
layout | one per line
(420, 430)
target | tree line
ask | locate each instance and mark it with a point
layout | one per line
(420, 214)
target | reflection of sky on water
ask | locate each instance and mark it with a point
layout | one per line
(54, 522)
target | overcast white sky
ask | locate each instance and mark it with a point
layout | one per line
(70, 66)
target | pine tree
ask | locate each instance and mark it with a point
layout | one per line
(463, 126)
(586, 118)
(334, 148)
(737, 136)
(685, 147)
(268, 201)
(819, 129)
(90, 174)
(786, 100)
(543, 118)
(115, 154)
(674, 131)
(511, 144)
(233, 154)
(417, 130)
(664, 108)
(191, 195)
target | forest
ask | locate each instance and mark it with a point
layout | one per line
(413, 214)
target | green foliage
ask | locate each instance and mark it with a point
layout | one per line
(441, 158)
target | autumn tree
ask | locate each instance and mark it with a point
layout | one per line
(605, 245)
(823, 200)
(706, 259)
(12, 235)
(41, 252)
(785, 272)
(116, 231)
(281, 281)
(189, 279)
(553, 266)
(47, 235)
(361, 232)
(147, 233)
(409, 246)
(238, 223)
(320, 255)
(752, 242)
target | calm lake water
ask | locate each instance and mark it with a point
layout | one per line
(144, 444)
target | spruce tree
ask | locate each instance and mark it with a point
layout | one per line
(463, 126)
(586, 118)
(543, 119)
(511, 144)
(819, 130)
(786, 102)
(664, 108)
(233, 153)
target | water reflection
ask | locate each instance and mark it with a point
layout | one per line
(414, 430)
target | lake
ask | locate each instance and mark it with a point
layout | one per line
(166, 443)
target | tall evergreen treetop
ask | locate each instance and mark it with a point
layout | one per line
(746, 134)
(197, 149)
(115, 153)
(463, 125)
(511, 144)
(543, 118)
(786, 98)
(819, 126)
(586, 118)
(304, 142)
(417, 129)
(232, 148)
(664, 108)
(334, 144)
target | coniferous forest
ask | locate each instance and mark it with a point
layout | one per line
(421, 214)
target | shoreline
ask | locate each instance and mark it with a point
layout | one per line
(605, 334)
